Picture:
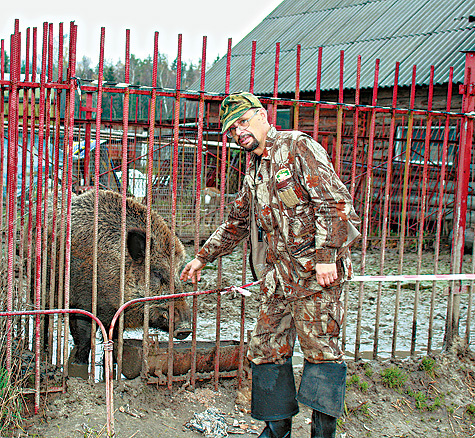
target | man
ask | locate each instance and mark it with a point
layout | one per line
(306, 215)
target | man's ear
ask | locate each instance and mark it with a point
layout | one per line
(263, 112)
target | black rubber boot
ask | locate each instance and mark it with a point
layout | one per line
(323, 389)
(323, 425)
(273, 398)
(277, 429)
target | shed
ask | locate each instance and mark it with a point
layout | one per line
(411, 32)
(422, 40)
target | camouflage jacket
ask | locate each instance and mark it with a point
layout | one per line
(302, 206)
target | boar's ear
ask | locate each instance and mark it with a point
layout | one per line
(136, 244)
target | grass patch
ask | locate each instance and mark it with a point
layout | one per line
(11, 402)
(470, 409)
(393, 377)
(355, 380)
(429, 365)
(368, 370)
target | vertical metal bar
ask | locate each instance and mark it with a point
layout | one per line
(67, 205)
(276, 84)
(199, 169)
(63, 285)
(221, 217)
(339, 117)
(87, 141)
(297, 89)
(367, 207)
(463, 181)
(423, 198)
(176, 132)
(124, 170)
(26, 111)
(39, 188)
(54, 225)
(24, 143)
(386, 214)
(405, 190)
(355, 127)
(253, 67)
(15, 42)
(316, 115)
(29, 257)
(440, 209)
(2, 133)
(44, 275)
(148, 234)
(97, 169)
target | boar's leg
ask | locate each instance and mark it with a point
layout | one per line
(81, 332)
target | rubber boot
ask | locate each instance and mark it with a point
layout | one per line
(323, 425)
(323, 389)
(273, 398)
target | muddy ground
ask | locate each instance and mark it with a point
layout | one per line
(425, 396)
(434, 401)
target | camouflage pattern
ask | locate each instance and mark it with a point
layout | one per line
(316, 319)
(235, 106)
(317, 228)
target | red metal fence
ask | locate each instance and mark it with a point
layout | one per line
(410, 171)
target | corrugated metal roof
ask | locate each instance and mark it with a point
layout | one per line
(411, 32)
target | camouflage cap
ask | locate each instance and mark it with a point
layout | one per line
(234, 106)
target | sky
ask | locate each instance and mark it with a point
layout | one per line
(218, 20)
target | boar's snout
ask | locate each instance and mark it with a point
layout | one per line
(182, 319)
(182, 333)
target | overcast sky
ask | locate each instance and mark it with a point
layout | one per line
(218, 20)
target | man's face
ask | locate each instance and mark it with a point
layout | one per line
(249, 131)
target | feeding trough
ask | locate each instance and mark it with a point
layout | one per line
(182, 357)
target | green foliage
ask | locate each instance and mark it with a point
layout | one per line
(429, 365)
(7, 62)
(368, 370)
(437, 404)
(11, 402)
(421, 401)
(364, 386)
(354, 379)
(365, 409)
(140, 74)
(470, 409)
(393, 377)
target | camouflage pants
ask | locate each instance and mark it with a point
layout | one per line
(315, 319)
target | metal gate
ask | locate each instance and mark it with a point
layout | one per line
(410, 171)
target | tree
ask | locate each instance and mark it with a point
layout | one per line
(7, 62)
(84, 69)
(109, 72)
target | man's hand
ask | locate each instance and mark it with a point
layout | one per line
(192, 271)
(326, 273)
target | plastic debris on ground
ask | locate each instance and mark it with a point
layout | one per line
(209, 422)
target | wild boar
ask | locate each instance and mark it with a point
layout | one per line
(108, 267)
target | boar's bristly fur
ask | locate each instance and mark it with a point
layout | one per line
(109, 267)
